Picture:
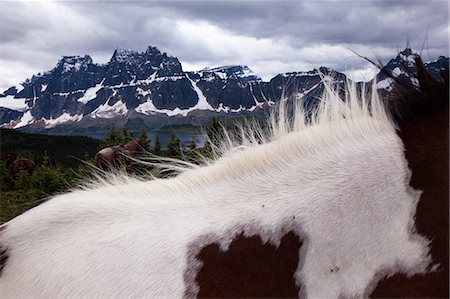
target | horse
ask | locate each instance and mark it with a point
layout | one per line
(23, 163)
(16, 163)
(349, 202)
(112, 157)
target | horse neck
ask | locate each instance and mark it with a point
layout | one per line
(131, 146)
(426, 144)
(307, 155)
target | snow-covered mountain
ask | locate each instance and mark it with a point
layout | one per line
(238, 72)
(138, 87)
(404, 64)
(151, 87)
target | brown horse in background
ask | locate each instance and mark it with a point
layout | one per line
(15, 163)
(116, 155)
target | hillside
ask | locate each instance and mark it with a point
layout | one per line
(66, 150)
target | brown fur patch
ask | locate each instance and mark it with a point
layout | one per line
(250, 268)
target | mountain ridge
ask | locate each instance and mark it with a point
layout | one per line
(142, 87)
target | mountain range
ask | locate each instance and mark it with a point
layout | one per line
(151, 89)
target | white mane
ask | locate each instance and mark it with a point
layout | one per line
(338, 180)
(335, 119)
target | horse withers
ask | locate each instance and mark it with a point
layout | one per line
(352, 202)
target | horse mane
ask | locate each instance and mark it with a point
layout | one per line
(252, 146)
(348, 113)
(340, 114)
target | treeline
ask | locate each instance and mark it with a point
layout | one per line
(174, 148)
(64, 150)
(71, 164)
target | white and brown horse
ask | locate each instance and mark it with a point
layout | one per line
(350, 203)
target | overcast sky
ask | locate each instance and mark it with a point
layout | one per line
(270, 37)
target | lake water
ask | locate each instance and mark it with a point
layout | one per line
(164, 137)
(186, 136)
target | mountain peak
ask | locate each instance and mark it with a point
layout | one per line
(123, 55)
(242, 72)
(407, 56)
(70, 63)
(153, 50)
(408, 51)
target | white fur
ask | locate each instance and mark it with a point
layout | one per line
(342, 175)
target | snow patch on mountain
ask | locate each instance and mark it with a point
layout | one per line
(65, 117)
(107, 111)
(385, 84)
(148, 108)
(26, 119)
(74, 63)
(242, 72)
(18, 104)
(144, 93)
(300, 74)
(257, 104)
(202, 103)
(91, 93)
(239, 109)
(305, 92)
(397, 72)
(409, 59)
(223, 108)
(169, 78)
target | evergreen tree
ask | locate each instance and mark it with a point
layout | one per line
(215, 136)
(144, 141)
(157, 149)
(207, 149)
(193, 153)
(45, 160)
(215, 132)
(6, 179)
(192, 145)
(23, 180)
(49, 180)
(126, 136)
(85, 170)
(112, 138)
(174, 145)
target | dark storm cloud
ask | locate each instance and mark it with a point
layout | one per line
(322, 21)
(269, 36)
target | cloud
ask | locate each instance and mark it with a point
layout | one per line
(269, 36)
